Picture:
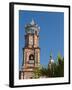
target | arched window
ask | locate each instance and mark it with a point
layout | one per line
(31, 57)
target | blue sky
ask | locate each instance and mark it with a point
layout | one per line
(51, 33)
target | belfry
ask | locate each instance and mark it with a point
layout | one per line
(31, 51)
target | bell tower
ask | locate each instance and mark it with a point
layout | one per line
(31, 50)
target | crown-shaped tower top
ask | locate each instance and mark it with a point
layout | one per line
(32, 27)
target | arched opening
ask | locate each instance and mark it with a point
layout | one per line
(31, 57)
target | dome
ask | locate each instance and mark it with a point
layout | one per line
(52, 61)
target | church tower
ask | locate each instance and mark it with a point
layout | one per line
(31, 51)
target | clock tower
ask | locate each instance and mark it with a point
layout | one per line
(31, 51)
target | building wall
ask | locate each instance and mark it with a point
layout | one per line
(28, 68)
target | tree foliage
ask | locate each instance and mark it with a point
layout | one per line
(37, 72)
(56, 70)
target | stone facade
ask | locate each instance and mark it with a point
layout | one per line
(31, 53)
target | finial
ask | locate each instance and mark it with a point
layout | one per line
(32, 22)
(50, 55)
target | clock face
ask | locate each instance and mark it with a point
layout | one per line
(31, 40)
